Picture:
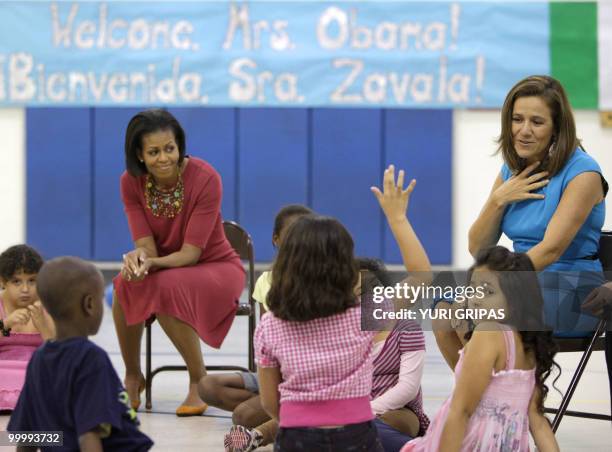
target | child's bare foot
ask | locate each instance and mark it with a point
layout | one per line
(134, 385)
(193, 405)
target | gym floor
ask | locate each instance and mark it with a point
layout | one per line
(206, 432)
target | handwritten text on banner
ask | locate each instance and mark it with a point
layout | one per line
(299, 53)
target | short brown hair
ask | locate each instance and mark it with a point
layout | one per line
(552, 93)
(143, 123)
(291, 211)
(315, 272)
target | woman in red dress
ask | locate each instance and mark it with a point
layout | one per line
(182, 268)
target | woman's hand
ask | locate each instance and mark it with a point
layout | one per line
(17, 317)
(394, 199)
(520, 186)
(144, 268)
(133, 263)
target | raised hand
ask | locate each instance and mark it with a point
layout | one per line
(520, 186)
(394, 199)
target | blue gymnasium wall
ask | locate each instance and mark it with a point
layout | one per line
(325, 158)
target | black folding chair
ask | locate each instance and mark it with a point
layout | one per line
(587, 345)
(242, 243)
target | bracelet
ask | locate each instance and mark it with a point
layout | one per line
(6, 332)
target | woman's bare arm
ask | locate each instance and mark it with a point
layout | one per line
(577, 201)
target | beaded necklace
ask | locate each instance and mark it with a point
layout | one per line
(164, 203)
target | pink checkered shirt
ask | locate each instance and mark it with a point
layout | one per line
(325, 364)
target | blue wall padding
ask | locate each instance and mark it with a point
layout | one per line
(59, 181)
(420, 141)
(267, 157)
(273, 165)
(111, 233)
(346, 161)
(211, 136)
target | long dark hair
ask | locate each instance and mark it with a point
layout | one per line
(315, 272)
(519, 283)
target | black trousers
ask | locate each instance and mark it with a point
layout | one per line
(609, 361)
(361, 437)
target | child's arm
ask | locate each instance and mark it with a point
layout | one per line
(42, 320)
(90, 442)
(394, 202)
(408, 384)
(269, 379)
(540, 428)
(260, 292)
(17, 317)
(480, 356)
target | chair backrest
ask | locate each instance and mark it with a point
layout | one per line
(605, 250)
(242, 243)
(605, 256)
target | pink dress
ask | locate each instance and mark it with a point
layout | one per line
(500, 422)
(15, 353)
(205, 295)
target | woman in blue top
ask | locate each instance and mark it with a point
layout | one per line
(549, 200)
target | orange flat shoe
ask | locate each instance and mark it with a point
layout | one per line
(187, 410)
(135, 404)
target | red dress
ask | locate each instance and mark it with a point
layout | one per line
(204, 295)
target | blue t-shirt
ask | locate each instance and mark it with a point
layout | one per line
(525, 222)
(71, 386)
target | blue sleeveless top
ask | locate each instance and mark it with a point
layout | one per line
(525, 222)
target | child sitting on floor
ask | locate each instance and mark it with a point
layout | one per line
(313, 333)
(239, 391)
(314, 361)
(499, 379)
(253, 427)
(71, 385)
(23, 321)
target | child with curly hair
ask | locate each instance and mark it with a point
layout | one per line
(23, 320)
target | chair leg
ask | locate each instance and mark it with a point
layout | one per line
(251, 345)
(576, 377)
(148, 376)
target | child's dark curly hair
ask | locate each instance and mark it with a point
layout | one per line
(19, 258)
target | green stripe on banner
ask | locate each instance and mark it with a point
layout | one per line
(573, 51)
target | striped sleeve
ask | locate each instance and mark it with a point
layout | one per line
(411, 338)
